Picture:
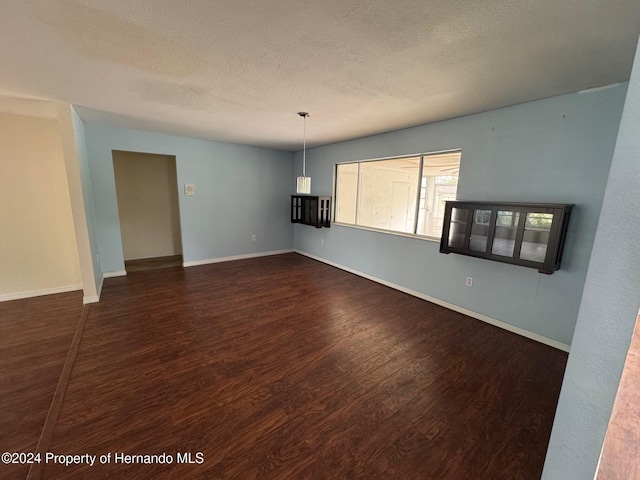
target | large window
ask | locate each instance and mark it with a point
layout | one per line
(398, 194)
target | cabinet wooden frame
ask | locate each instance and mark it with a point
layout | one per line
(311, 210)
(555, 242)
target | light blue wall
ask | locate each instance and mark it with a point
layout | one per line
(556, 150)
(240, 191)
(87, 193)
(607, 313)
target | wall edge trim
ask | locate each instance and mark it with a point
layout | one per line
(95, 298)
(40, 292)
(90, 299)
(207, 261)
(478, 316)
(115, 273)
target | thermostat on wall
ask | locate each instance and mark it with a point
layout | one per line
(189, 189)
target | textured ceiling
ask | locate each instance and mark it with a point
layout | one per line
(239, 70)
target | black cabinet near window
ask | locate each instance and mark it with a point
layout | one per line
(526, 234)
(311, 210)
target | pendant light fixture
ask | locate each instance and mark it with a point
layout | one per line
(304, 183)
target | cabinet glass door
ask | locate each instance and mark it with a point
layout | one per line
(458, 229)
(504, 236)
(480, 230)
(536, 236)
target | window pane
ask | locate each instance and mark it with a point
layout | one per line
(504, 237)
(346, 192)
(506, 219)
(439, 183)
(388, 194)
(536, 236)
(483, 217)
(540, 221)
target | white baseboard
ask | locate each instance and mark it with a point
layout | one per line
(37, 293)
(90, 299)
(96, 298)
(479, 316)
(116, 273)
(235, 257)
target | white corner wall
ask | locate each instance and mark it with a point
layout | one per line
(79, 185)
(92, 264)
(38, 252)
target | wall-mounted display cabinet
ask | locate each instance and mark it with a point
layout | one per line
(526, 234)
(311, 210)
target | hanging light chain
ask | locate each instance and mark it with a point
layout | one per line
(304, 115)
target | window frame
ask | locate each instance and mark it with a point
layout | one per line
(432, 238)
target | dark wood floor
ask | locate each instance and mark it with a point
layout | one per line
(285, 368)
(35, 336)
(141, 264)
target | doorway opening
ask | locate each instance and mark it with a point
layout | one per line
(148, 209)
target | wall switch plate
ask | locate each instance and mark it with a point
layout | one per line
(189, 189)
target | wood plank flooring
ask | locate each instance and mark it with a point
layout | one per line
(141, 264)
(285, 368)
(35, 336)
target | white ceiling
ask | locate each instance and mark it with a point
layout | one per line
(239, 70)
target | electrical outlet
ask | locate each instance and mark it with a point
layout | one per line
(253, 238)
(469, 282)
(322, 241)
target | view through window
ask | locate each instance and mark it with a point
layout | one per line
(397, 194)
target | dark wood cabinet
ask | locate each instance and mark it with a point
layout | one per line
(311, 210)
(526, 234)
